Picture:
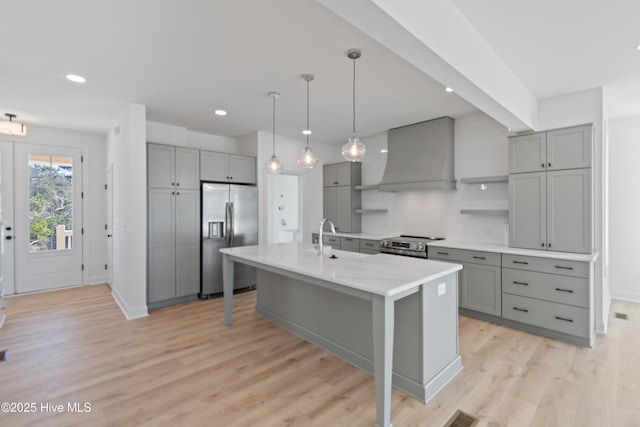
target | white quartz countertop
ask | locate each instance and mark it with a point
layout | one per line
(380, 274)
(493, 247)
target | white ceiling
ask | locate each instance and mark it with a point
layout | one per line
(183, 59)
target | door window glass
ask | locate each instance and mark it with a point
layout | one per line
(50, 203)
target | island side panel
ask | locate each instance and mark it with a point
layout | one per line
(341, 324)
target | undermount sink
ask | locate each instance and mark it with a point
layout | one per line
(340, 254)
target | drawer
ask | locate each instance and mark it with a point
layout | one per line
(350, 244)
(334, 241)
(464, 255)
(557, 317)
(546, 265)
(369, 245)
(549, 287)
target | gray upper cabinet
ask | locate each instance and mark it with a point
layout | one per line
(568, 148)
(569, 222)
(170, 167)
(528, 153)
(550, 205)
(340, 198)
(341, 174)
(222, 167)
(528, 210)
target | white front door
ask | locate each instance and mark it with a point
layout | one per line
(48, 219)
(109, 226)
(6, 214)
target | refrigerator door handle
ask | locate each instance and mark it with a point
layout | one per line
(227, 235)
(231, 225)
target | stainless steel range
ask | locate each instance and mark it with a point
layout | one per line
(413, 246)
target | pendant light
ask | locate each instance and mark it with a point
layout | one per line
(274, 165)
(307, 159)
(354, 150)
(11, 127)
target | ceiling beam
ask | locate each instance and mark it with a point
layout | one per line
(435, 37)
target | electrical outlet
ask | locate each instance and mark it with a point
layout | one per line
(442, 289)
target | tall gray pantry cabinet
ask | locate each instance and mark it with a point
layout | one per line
(340, 198)
(550, 190)
(173, 222)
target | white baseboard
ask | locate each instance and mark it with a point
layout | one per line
(129, 313)
(633, 296)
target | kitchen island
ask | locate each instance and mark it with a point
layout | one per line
(392, 316)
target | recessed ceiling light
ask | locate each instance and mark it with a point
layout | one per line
(638, 47)
(306, 132)
(384, 150)
(448, 89)
(75, 78)
(220, 113)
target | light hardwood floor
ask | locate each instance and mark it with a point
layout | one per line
(183, 366)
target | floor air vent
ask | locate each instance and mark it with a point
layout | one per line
(621, 316)
(461, 419)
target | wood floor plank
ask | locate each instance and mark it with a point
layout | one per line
(182, 365)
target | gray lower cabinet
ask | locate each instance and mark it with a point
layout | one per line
(480, 279)
(331, 240)
(369, 246)
(350, 244)
(173, 243)
(548, 293)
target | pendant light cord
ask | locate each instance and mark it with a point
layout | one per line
(274, 125)
(354, 96)
(307, 111)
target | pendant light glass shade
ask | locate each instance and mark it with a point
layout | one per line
(354, 150)
(307, 159)
(274, 165)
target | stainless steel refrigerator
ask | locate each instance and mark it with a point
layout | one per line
(229, 218)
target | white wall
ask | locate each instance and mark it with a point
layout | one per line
(287, 150)
(624, 208)
(283, 208)
(93, 151)
(127, 152)
(480, 150)
(160, 133)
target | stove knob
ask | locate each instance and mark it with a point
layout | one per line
(384, 243)
(420, 246)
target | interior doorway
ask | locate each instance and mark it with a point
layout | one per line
(284, 210)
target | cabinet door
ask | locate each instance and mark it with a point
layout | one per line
(187, 242)
(161, 264)
(160, 166)
(330, 205)
(569, 148)
(329, 178)
(343, 174)
(481, 288)
(528, 210)
(344, 210)
(569, 211)
(242, 169)
(527, 153)
(214, 166)
(350, 244)
(187, 168)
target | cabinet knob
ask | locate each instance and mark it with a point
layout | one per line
(549, 164)
(549, 245)
(9, 237)
(542, 165)
(8, 228)
(177, 183)
(542, 244)
(173, 183)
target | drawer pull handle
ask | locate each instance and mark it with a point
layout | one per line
(478, 257)
(348, 240)
(564, 290)
(564, 319)
(521, 262)
(442, 253)
(520, 283)
(521, 309)
(368, 244)
(564, 268)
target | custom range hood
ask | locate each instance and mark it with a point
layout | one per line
(420, 157)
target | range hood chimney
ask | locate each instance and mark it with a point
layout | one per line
(420, 157)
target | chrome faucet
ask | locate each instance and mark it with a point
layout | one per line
(333, 230)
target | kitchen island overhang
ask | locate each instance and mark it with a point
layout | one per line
(392, 316)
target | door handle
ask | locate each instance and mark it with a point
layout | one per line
(231, 225)
(109, 235)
